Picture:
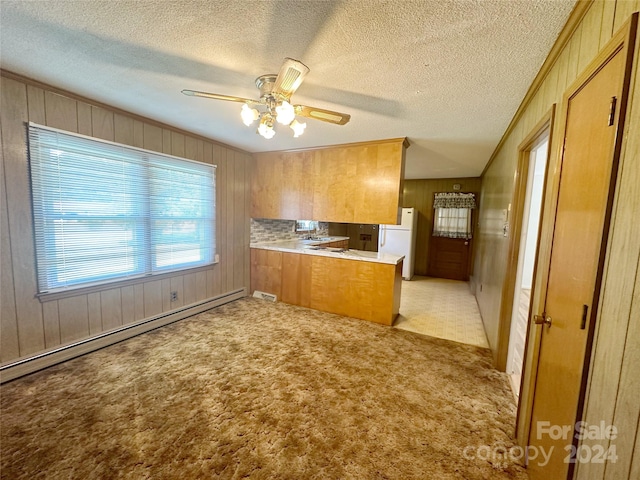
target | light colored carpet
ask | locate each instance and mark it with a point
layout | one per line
(259, 390)
(441, 308)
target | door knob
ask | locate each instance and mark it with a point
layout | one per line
(542, 320)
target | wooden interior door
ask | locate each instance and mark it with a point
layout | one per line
(449, 258)
(587, 178)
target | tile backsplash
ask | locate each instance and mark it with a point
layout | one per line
(270, 230)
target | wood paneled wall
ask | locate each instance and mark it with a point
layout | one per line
(419, 194)
(614, 388)
(29, 326)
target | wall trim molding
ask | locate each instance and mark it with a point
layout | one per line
(31, 364)
(403, 140)
(74, 96)
(575, 17)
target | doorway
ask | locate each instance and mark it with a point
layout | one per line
(450, 243)
(529, 232)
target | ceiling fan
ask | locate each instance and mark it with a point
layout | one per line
(275, 96)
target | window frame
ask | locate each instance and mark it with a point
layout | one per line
(149, 271)
(446, 231)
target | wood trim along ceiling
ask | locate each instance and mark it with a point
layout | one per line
(405, 143)
(95, 103)
(577, 14)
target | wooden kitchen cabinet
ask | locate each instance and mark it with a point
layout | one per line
(266, 271)
(282, 186)
(365, 290)
(296, 279)
(353, 288)
(359, 183)
(353, 183)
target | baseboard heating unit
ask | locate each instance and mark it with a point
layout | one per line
(63, 353)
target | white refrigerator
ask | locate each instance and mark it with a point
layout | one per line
(401, 240)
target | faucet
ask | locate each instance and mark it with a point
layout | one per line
(311, 232)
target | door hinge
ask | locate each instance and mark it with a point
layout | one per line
(612, 110)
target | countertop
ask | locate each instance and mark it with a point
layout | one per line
(314, 247)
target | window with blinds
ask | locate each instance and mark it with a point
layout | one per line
(105, 212)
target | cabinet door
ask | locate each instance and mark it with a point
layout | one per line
(349, 183)
(282, 186)
(297, 187)
(266, 271)
(265, 186)
(296, 279)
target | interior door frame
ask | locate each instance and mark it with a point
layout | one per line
(518, 200)
(623, 40)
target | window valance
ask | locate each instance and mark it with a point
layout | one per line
(454, 200)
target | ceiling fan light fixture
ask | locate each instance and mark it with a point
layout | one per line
(285, 113)
(266, 126)
(328, 116)
(249, 115)
(298, 128)
(275, 102)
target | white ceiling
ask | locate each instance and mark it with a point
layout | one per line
(447, 74)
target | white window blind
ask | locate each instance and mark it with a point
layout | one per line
(105, 211)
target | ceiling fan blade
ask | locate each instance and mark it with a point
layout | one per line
(289, 77)
(322, 114)
(215, 96)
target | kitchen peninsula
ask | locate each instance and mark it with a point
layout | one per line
(318, 275)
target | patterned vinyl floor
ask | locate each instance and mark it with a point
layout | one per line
(441, 308)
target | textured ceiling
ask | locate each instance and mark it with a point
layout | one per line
(449, 75)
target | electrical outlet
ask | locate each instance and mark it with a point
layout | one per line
(174, 296)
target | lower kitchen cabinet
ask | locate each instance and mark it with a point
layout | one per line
(296, 279)
(353, 288)
(266, 268)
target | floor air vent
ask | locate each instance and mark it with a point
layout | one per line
(265, 296)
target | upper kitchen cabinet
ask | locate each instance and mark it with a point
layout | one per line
(354, 183)
(282, 185)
